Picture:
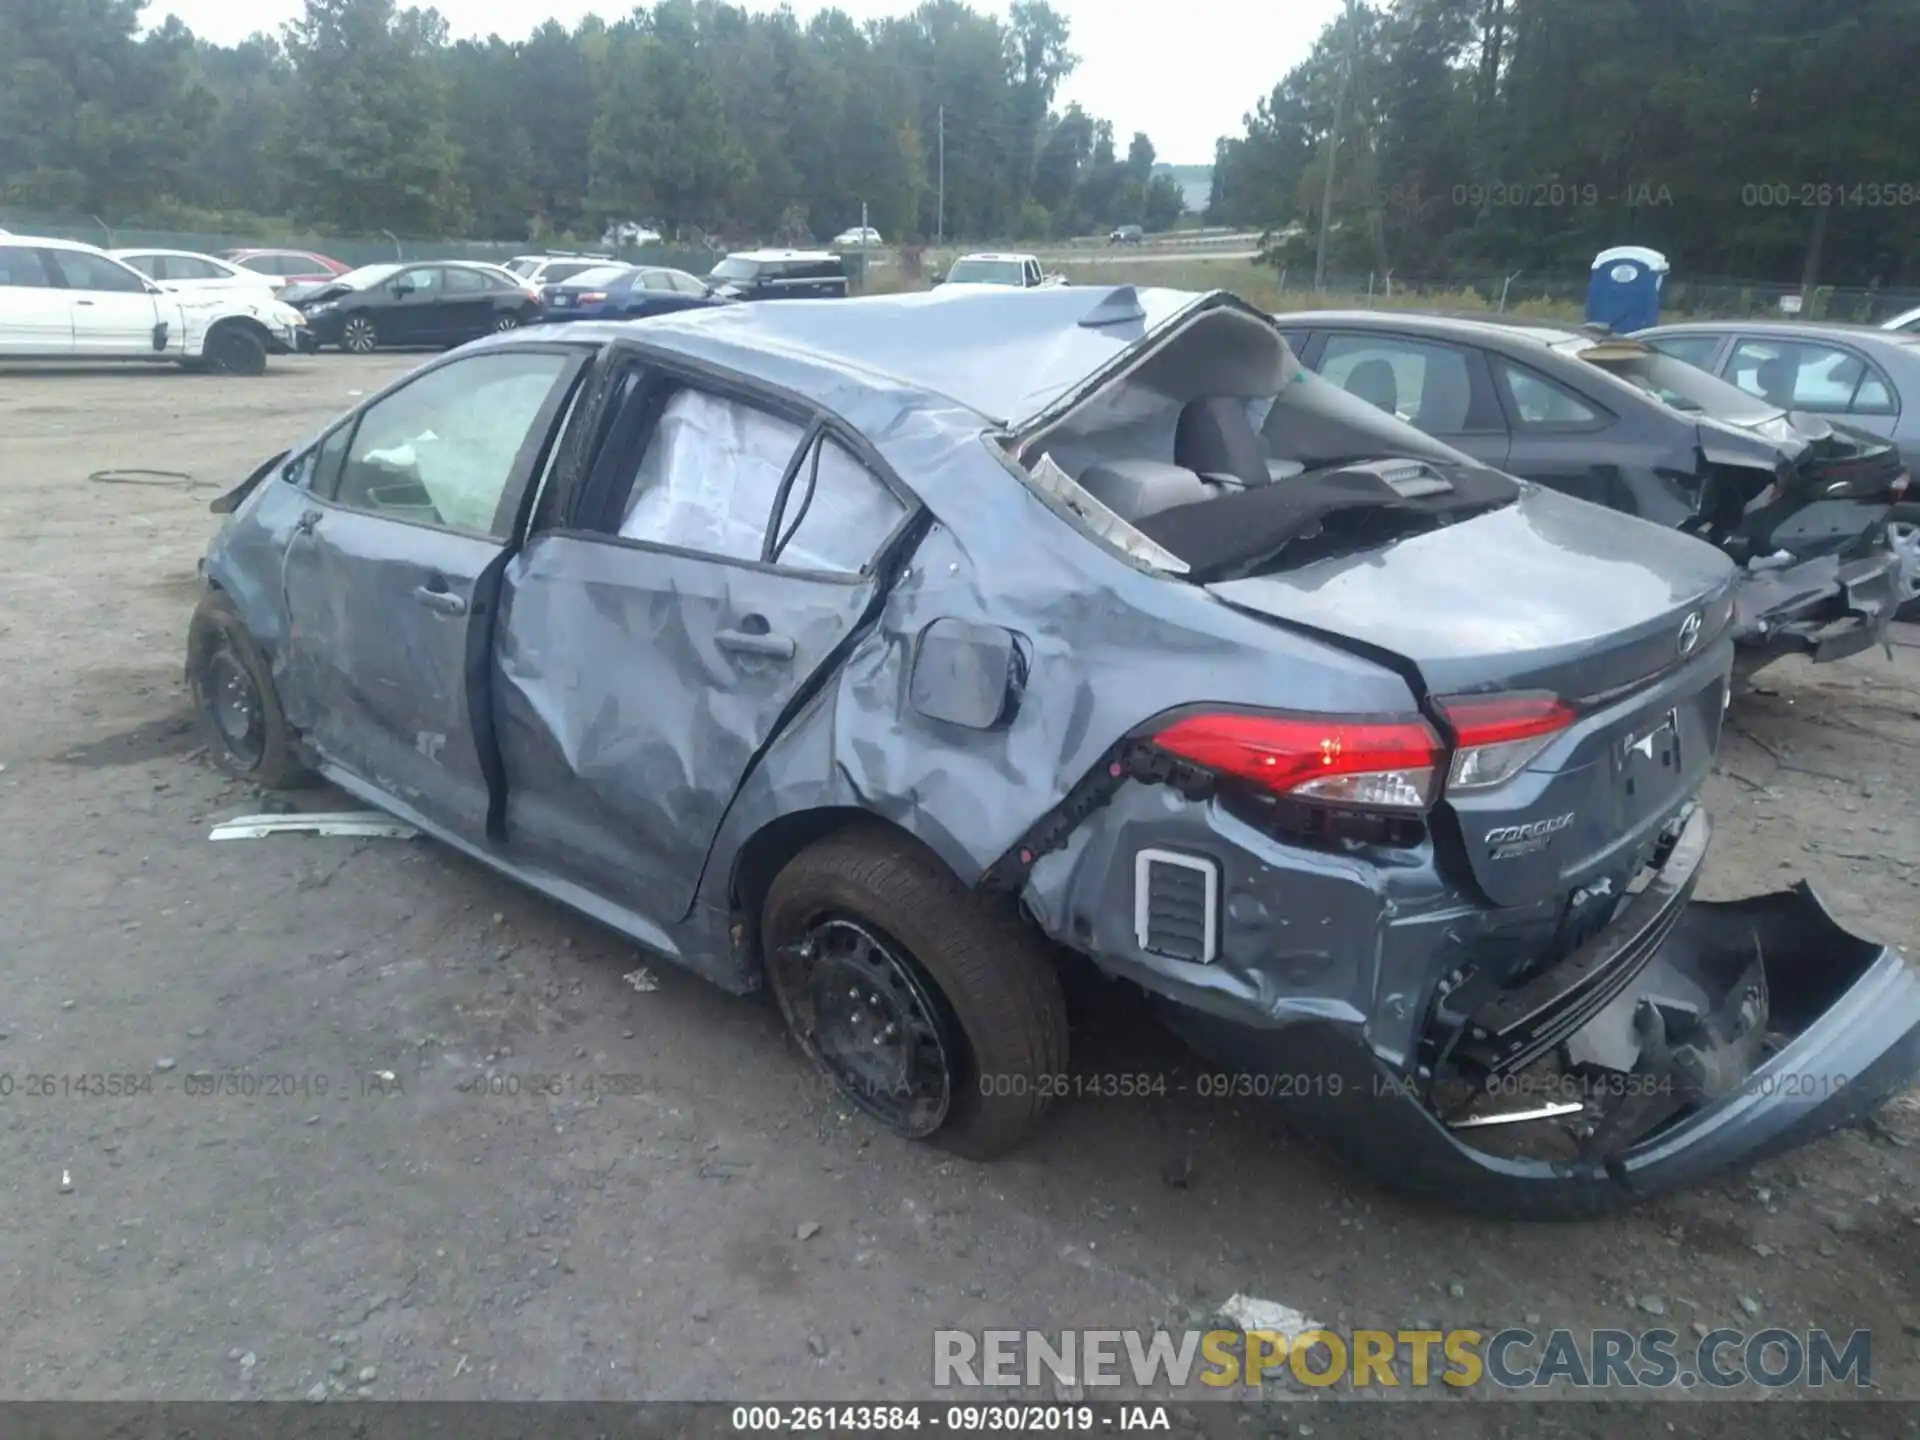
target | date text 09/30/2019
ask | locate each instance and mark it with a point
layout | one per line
(957, 1419)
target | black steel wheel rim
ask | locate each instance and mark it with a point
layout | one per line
(233, 701)
(868, 1018)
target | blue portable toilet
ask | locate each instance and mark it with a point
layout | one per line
(1623, 292)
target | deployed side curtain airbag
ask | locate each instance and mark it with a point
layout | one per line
(708, 479)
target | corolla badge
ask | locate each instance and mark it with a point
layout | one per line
(1689, 633)
(1509, 842)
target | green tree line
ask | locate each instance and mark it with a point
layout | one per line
(1766, 138)
(690, 114)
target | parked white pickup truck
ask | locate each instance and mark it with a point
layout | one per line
(61, 300)
(1018, 272)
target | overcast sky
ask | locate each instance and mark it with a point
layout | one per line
(1184, 71)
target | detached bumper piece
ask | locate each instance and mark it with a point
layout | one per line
(1828, 608)
(1690, 1036)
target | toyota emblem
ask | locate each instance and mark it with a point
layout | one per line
(1689, 633)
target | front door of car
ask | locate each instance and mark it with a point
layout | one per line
(1833, 381)
(389, 578)
(113, 306)
(1438, 388)
(649, 648)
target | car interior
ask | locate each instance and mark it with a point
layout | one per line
(1191, 445)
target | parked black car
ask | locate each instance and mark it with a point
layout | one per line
(1799, 503)
(625, 292)
(444, 302)
(887, 654)
(779, 275)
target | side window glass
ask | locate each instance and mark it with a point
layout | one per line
(656, 280)
(1540, 402)
(709, 476)
(441, 451)
(328, 461)
(1873, 397)
(423, 283)
(837, 513)
(465, 282)
(1426, 385)
(1696, 350)
(20, 269)
(96, 272)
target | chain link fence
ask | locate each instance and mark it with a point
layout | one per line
(1707, 297)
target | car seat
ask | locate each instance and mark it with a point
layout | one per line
(1215, 436)
(1373, 381)
(1776, 379)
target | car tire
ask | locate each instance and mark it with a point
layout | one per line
(503, 323)
(1903, 533)
(972, 991)
(234, 348)
(359, 335)
(234, 702)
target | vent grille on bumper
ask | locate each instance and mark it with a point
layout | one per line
(1176, 904)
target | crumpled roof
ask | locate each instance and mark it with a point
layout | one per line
(1005, 354)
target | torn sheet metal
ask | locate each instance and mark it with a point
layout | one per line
(368, 823)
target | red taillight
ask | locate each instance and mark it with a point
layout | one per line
(1899, 486)
(593, 297)
(1386, 764)
(1496, 735)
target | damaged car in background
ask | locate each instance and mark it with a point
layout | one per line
(1801, 504)
(893, 654)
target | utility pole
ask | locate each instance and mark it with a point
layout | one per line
(940, 227)
(1333, 150)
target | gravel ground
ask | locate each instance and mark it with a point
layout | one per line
(716, 1226)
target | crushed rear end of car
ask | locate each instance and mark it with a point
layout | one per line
(1454, 935)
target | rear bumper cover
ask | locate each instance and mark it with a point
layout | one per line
(1774, 1025)
(1828, 608)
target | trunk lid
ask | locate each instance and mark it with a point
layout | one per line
(1623, 619)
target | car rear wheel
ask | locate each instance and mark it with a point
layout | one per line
(934, 1012)
(235, 349)
(234, 701)
(359, 336)
(1903, 532)
(504, 323)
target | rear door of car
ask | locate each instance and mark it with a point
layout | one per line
(35, 317)
(656, 635)
(468, 304)
(1439, 387)
(390, 578)
(415, 312)
(1567, 438)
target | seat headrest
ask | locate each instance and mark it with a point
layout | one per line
(1215, 436)
(1373, 381)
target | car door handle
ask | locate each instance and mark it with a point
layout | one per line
(445, 601)
(756, 642)
(83, 302)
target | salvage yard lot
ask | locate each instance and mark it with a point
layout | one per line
(616, 1208)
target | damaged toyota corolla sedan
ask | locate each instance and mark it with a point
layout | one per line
(891, 654)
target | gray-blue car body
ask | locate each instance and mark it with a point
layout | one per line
(1115, 637)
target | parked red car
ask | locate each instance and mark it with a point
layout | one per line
(288, 267)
